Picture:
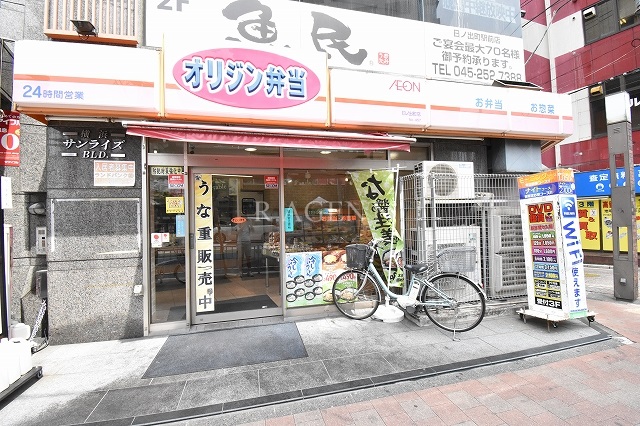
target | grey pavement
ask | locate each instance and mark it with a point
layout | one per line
(349, 363)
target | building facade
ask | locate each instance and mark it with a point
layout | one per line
(587, 49)
(188, 161)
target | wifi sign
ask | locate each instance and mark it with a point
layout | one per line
(568, 207)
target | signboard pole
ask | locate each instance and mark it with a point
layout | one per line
(623, 194)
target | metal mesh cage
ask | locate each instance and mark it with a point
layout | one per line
(358, 255)
(457, 259)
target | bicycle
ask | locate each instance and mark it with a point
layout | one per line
(451, 300)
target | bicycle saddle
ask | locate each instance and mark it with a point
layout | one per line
(417, 269)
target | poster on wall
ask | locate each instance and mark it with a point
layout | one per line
(553, 250)
(114, 173)
(174, 205)
(589, 217)
(10, 139)
(203, 220)
(376, 191)
(309, 276)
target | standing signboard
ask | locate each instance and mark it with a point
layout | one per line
(553, 248)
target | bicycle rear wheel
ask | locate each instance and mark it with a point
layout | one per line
(355, 294)
(466, 305)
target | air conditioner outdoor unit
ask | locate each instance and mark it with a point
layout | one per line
(450, 179)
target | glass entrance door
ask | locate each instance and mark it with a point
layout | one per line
(235, 218)
(168, 294)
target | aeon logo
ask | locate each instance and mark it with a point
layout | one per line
(246, 78)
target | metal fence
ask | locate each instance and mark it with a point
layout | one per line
(443, 209)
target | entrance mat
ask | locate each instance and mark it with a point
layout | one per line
(261, 301)
(211, 350)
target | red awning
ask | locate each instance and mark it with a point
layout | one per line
(287, 138)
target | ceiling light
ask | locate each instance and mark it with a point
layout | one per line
(251, 149)
(325, 152)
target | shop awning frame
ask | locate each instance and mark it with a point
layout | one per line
(287, 138)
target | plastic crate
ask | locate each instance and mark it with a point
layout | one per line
(457, 259)
(358, 256)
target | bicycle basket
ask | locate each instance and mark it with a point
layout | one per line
(457, 259)
(358, 255)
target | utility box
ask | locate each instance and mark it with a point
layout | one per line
(41, 283)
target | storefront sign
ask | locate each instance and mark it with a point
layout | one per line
(553, 250)
(174, 205)
(351, 39)
(246, 78)
(10, 139)
(114, 173)
(90, 143)
(166, 171)
(378, 99)
(487, 57)
(454, 106)
(203, 220)
(51, 76)
(175, 181)
(597, 183)
(376, 191)
(271, 182)
(209, 81)
(589, 218)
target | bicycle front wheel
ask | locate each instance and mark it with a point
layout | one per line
(355, 294)
(454, 302)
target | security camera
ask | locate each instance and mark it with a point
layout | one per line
(522, 13)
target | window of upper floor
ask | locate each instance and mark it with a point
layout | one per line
(630, 83)
(493, 16)
(608, 17)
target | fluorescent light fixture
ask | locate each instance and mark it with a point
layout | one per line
(221, 174)
(325, 152)
(84, 28)
(251, 149)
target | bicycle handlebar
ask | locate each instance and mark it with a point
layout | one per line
(375, 241)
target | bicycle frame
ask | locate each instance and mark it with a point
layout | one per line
(424, 282)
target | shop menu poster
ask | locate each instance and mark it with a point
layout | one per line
(310, 277)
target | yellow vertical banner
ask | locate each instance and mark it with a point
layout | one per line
(203, 220)
(607, 227)
(589, 216)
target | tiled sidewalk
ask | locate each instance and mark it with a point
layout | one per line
(598, 388)
(497, 373)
